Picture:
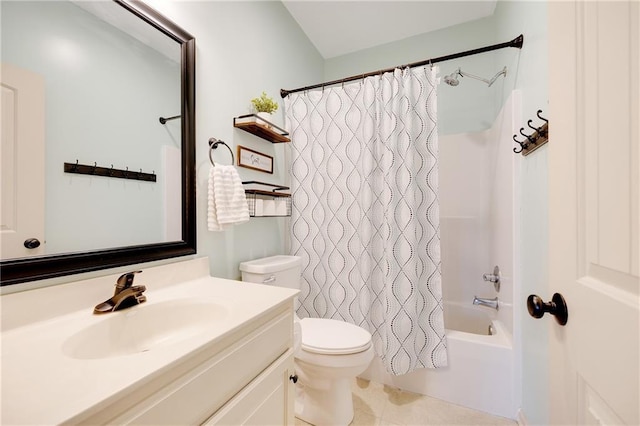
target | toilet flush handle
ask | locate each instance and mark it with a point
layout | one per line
(269, 280)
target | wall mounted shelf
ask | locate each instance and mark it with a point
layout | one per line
(262, 128)
(267, 202)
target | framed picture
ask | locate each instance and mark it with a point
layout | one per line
(254, 160)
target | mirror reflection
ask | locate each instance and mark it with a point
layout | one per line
(95, 93)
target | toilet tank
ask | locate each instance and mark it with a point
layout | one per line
(283, 271)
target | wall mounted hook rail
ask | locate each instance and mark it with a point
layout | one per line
(95, 170)
(539, 137)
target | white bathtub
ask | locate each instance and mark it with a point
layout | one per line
(480, 371)
(468, 318)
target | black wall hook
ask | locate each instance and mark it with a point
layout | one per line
(522, 145)
(535, 129)
(531, 140)
(541, 117)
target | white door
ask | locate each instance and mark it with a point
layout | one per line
(593, 211)
(22, 162)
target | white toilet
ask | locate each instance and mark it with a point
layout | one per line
(331, 354)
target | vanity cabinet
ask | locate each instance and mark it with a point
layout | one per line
(266, 400)
(243, 380)
(200, 350)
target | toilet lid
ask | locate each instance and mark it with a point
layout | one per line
(332, 337)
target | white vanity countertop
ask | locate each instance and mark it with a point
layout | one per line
(43, 385)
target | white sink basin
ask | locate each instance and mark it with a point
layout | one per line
(144, 328)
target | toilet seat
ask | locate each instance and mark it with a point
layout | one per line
(332, 337)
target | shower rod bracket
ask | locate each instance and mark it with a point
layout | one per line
(163, 120)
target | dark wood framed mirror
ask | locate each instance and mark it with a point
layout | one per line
(23, 269)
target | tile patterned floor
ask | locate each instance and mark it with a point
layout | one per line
(375, 404)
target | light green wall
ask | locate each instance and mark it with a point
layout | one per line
(470, 106)
(531, 78)
(243, 48)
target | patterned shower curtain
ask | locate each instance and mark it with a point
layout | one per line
(365, 216)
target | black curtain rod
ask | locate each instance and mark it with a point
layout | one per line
(516, 42)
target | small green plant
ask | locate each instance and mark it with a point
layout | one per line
(264, 104)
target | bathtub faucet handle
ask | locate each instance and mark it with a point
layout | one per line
(493, 278)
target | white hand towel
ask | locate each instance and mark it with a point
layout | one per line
(227, 203)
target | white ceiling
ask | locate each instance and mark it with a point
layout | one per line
(340, 27)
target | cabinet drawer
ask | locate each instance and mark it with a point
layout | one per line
(201, 392)
(265, 401)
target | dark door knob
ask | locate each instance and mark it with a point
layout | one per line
(31, 243)
(557, 307)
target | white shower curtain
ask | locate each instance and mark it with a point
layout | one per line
(365, 216)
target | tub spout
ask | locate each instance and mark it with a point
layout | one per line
(491, 303)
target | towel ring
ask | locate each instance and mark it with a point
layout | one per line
(213, 144)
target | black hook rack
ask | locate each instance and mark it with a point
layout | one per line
(95, 170)
(539, 137)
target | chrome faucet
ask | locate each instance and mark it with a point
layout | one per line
(125, 295)
(493, 278)
(491, 303)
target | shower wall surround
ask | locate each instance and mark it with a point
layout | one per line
(478, 188)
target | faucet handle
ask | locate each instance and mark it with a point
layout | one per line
(126, 280)
(493, 278)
